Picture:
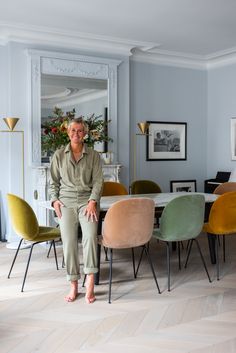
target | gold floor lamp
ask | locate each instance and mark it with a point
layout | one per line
(143, 128)
(11, 123)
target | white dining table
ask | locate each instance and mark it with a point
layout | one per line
(161, 199)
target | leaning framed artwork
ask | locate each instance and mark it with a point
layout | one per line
(183, 185)
(233, 138)
(166, 141)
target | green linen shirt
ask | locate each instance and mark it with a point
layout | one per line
(70, 181)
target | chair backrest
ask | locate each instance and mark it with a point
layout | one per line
(183, 218)
(144, 187)
(23, 218)
(112, 188)
(225, 187)
(222, 217)
(128, 223)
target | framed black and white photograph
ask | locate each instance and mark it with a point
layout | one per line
(166, 141)
(233, 138)
(183, 186)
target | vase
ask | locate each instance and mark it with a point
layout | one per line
(107, 157)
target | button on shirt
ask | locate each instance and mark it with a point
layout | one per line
(71, 181)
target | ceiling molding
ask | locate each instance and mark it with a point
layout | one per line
(69, 39)
(138, 51)
(168, 58)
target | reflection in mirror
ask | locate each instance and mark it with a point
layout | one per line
(86, 96)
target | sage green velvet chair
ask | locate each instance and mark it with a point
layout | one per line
(182, 219)
(25, 225)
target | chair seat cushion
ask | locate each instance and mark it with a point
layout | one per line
(47, 233)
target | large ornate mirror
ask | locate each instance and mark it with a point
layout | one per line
(88, 84)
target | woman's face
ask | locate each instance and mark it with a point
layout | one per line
(76, 133)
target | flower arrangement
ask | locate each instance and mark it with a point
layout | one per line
(54, 131)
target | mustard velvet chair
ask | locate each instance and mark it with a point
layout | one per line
(222, 220)
(144, 187)
(112, 188)
(25, 225)
(128, 224)
(182, 219)
(220, 190)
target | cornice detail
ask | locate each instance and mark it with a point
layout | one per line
(69, 39)
(138, 51)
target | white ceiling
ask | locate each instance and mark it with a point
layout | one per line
(199, 30)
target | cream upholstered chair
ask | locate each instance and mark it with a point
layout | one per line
(128, 224)
(25, 224)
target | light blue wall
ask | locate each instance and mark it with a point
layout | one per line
(162, 93)
(221, 108)
(204, 100)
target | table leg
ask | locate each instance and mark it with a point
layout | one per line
(211, 243)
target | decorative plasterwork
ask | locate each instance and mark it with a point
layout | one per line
(52, 63)
(171, 58)
(69, 39)
(140, 51)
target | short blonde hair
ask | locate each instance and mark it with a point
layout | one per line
(81, 121)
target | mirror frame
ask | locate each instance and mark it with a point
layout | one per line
(54, 63)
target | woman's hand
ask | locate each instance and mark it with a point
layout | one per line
(91, 211)
(57, 207)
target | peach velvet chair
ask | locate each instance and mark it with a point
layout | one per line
(146, 187)
(222, 220)
(225, 187)
(113, 188)
(128, 224)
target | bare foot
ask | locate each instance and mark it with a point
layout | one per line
(90, 296)
(73, 292)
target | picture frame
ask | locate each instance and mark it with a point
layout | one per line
(233, 138)
(183, 186)
(166, 141)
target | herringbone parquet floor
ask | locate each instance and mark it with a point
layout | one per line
(196, 316)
